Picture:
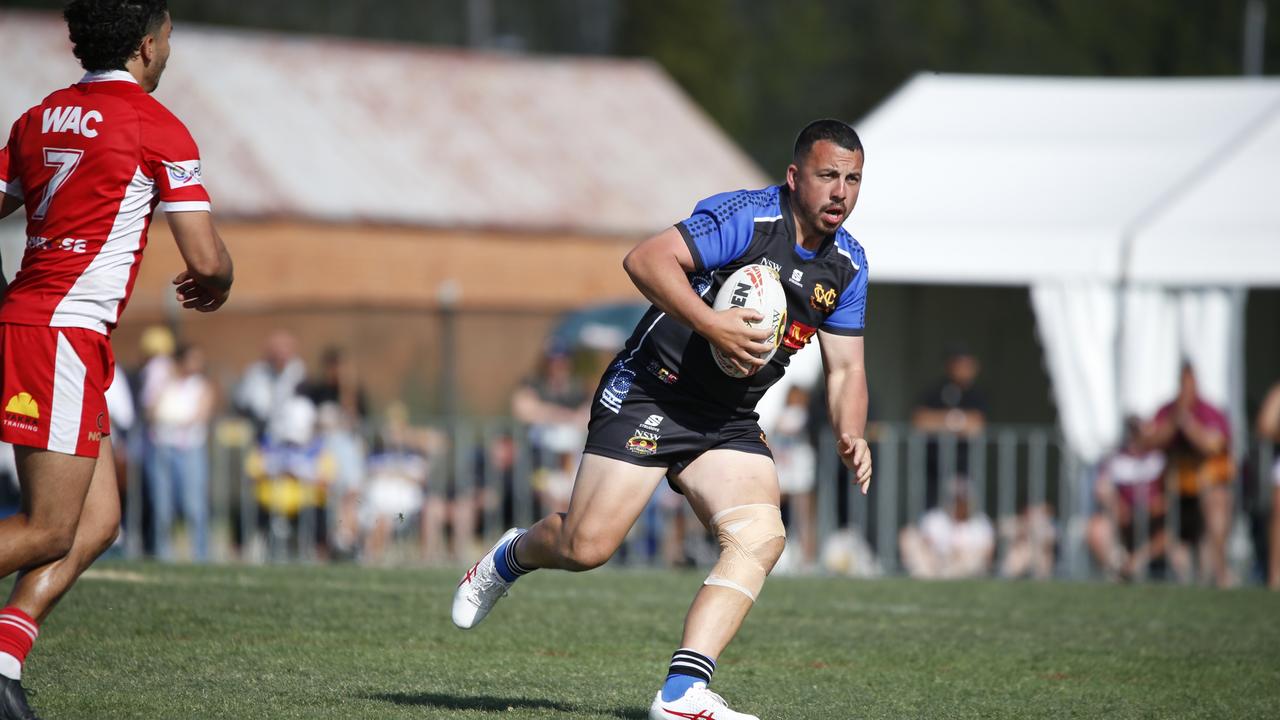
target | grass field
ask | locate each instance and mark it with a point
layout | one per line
(148, 641)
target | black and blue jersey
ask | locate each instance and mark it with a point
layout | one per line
(826, 290)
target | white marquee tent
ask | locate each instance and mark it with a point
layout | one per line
(1136, 211)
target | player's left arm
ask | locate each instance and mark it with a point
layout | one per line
(842, 358)
(10, 185)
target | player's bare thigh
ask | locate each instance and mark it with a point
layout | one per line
(608, 497)
(54, 486)
(722, 479)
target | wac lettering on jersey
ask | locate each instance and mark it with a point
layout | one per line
(823, 299)
(70, 119)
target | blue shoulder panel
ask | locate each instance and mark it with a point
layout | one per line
(850, 316)
(721, 227)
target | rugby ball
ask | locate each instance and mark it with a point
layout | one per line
(753, 287)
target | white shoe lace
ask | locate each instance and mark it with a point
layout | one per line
(482, 586)
(710, 696)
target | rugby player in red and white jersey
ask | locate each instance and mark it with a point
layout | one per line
(90, 163)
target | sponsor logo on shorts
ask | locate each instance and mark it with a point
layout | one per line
(666, 376)
(22, 413)
(643, 443)
(798, 335)
(94, 436)
(653, 421)
(617, 386)
(823, 299)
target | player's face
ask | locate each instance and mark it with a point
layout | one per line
(155, 53)
(824, 186)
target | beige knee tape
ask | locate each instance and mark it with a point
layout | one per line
(744, 532)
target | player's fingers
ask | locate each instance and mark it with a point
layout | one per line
(182, 277)
(866, 486)
(845, 446)
(758, 348)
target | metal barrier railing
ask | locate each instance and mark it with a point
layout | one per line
(1036, 498)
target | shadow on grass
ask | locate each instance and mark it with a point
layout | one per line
(496, 704)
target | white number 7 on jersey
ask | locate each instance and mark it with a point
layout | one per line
(65, 161)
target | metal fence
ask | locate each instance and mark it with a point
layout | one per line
(1038, 497)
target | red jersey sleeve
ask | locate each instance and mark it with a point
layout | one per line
(10, 181)
(173, 160)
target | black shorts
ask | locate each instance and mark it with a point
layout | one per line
(638, 419)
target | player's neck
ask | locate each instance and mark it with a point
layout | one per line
(807, 238)
(137, 69)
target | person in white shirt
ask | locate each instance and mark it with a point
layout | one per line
(178, 464)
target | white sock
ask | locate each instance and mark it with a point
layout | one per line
(10, 667)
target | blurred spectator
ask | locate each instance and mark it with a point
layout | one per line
(339, 441)
(292, 471)
(1129, 489)
(178, 463)
(950, 543)
(551, 402)
(796, 462)
(157, 345)
(395, 495)
(1029, 539)
(338, 384)
(1197, 438)
(1269, 431)
(266, 387)
(955, 410)
(123, 415)
(10, 493)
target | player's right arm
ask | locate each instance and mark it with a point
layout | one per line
(206, 283)
(659, 267)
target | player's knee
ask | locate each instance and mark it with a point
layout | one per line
(579, 554)
(104, 538)
(53, 542)
(752, 538)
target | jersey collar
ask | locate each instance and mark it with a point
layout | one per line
(109, 76)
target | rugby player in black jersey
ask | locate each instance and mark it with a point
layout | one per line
(664, 408)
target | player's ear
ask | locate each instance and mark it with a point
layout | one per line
(147, 50)
(792, 170)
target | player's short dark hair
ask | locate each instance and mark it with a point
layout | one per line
(834, 131)
(106, 33)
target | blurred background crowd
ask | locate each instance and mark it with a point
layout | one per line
(1068, 210)
(289, 460)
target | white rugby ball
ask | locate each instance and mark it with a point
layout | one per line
(754, 287)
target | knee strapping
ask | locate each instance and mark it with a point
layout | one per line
(751, 537)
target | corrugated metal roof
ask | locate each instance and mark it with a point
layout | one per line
(362, 132)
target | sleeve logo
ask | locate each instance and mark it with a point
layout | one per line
(183, 174)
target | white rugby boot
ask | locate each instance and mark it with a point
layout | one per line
(481, 588)
(698, 703)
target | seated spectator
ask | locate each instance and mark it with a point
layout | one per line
(949, 543)
(395, 496)
(1269, 431)
(291, 472)
(955, 409)
(1128, 488)
(796, 462)
(1197, 439)
(339, 440)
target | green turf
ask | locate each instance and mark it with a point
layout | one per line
(148, 641)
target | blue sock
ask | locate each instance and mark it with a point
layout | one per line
(687, 667)
(505, 561)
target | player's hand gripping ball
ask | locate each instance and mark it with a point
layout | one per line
(753, 287)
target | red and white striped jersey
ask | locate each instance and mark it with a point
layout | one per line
(92, 162)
